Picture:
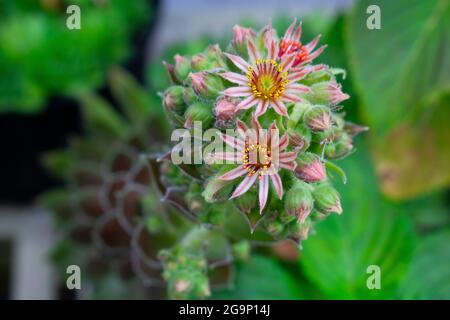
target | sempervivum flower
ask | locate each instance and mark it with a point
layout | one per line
(290, 44)
(266, 80)
(260, 154)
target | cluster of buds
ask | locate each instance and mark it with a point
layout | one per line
(265, 82)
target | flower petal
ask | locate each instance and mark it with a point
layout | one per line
(297, 88)
(287, 61)
(238, 62)
(288, 156)
(244, 185)
(316, 53)
(234, 77)
(227, 156)
(252, 52)
(233, 174)
(261, 108)
(233, 142)
(298, 74)
(276, 181)
(263, 192)
(279, 107)
(247, 103)
(284, 142)
(310, 46)
(298, 33)
(288, 33)
(237, 92)
(288, 165)
(241, 128)
(290, 97)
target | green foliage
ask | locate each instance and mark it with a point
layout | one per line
(39, 56)
(402, 73)
(261, 278)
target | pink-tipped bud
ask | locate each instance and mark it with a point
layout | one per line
(182, 67)
(240, 36)
(225, 111)
(327, 199)
(318, 118)
(335, 93)
(310, 168)
(299, 203)
(206, 85)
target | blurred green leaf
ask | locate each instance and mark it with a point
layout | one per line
(402, 74)
(371, 231)
(261, 278)
(429, 276)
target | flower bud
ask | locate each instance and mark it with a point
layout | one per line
(353, 129)
(206, 85)
(275, 228)
(317, 73)
(173, 99)
(171, 73)
(198, 112)
(327, 199)
(327, 93)
(182, 67)
(215, 57)
(239, 41)
(225, 111)
(318, 118)
(299, 137)
(299, 202)
(341, 146)
(199, 62)
(310, 168)
(301, 231)
(189, 96)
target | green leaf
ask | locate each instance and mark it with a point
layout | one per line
(370, 231)
(429, 276)
(402, 63)
(261, 278)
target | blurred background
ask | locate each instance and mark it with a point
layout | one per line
(59, 88)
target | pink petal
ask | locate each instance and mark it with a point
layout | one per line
(252, 52)
(237, 92)
(235, 77)
(276, 181)
(298, 33)
(244, 185)
(263, 192)
(272, 50)
(279, 107)
(233, 174)
(247, 103)
(238, 62)
(289, 30)
(288, 156)
(298, 74)
(296, 88)
(241, 128)
(316, 53)
(287, 61)
(232, 141)
(261, 108)
(310, 46)
(291, 98)
(227, 156)
(288, 165)
(284, 141)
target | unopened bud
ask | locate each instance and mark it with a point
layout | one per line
(327, 199)
(318, 118)
(198, 112)
(199, 62)
(299, 202)
(275, 228)
(182, 67)
(327, 93)
(225, 111)
(206, 85)
(215, 57)
(239, 41)
(341, 146)
(310, 168)
(189, 96)
(173, 99)
(299, 137)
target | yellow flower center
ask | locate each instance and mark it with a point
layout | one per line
(267, 79)
(257, 159)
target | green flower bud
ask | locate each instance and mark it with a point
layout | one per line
(239, 41)
(319, 73)
(327, 93)
(275, 227)
(299, 137)
(318, 118)
(341, 146)
(182, 67)
(198, 111)
(215, 57)
(310, 168)
(189, 96)
(173, 100)
(327, 199)
(206, 85)
(299, 202)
